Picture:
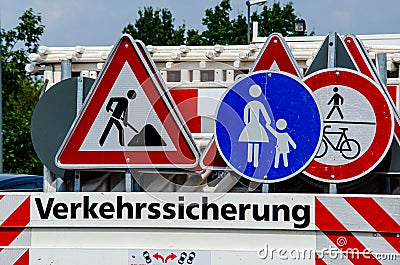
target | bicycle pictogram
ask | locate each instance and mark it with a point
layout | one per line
(349, 148)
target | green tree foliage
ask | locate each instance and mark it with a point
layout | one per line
(218, 23)
(156, 27)
(276, 18)
(20, 94)
(220, 29)
(239, 30)
(193, 37)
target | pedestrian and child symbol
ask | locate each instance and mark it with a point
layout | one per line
(254, 132)
(282, 144)
(268, 126)
(148, 136)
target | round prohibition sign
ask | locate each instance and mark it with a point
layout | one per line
(358, 125)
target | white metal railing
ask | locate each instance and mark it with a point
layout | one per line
(202, 66)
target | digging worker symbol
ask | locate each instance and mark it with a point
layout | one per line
(120, 113)
(337, 101)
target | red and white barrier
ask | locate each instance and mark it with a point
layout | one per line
(15, 237)
(119, 228)
(198, 107)
(357, 230)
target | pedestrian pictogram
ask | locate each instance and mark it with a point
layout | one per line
(336, 101)
(357, 129)
(128, 119)
(268, 126)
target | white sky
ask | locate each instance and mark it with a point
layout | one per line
(97, 22)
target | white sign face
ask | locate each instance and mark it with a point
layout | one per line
(172, 210)
(163, 256)
(349, 124)
(108, 132)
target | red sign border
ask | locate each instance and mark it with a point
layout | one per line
(186, 155)
(281, 45)
(329, 77)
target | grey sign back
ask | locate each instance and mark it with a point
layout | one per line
(53, 116)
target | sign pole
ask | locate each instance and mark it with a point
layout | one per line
(79, 102)
(332, 50)
(381, 66)
(66, 69)
(1, 108)
(248, 21)
(128, 181)
(331, 64)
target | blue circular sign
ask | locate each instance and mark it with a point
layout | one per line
(268, 126)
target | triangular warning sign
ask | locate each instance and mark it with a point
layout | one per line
(275, 55)
(128, 119)
(366, 67)
(211, 158)
(360, 56)
(158, 78)
(332, 53)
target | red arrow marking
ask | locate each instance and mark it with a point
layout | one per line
(171, 256)
(158, 256)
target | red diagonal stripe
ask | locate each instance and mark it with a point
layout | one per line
(333, 229)
(319, 260)
(11, 228)
(358, 57)
(392, 239)
(374, 214)
(9, 234)
(325, 220)
(378, 218)
(1, 197)
(352, 249)
(20, 217)
(24, 259)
